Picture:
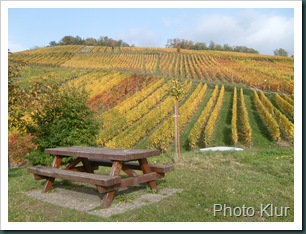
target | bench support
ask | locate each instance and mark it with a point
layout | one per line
(50, 181)
(146, 170)
(109, 197)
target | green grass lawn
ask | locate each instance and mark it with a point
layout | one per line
(248, 178)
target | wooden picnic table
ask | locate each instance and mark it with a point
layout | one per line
(91, 158)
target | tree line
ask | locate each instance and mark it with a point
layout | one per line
(101, 41)
(190, 45)
(171, 43)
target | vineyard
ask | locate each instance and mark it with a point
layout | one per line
(232, 99)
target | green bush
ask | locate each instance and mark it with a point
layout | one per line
(39, 158)
(60, 118)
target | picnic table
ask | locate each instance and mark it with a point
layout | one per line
(91, 158)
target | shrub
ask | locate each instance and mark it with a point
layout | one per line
(56, 117)
(39, 158)
(19, 146)
(64, 120)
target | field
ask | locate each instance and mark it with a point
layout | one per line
(132, 86)
(231, 99)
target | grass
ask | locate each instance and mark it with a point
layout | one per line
(251, 178)
(259, 175)
(31, 74)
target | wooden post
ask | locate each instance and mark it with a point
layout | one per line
(177, 131)
(50, 181)
(109, 196)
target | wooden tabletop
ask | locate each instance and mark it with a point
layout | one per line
(103, 153)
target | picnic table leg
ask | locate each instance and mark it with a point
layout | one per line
(87, 166)
(109, 196)
(146, 169)
(128, 171)
(50, 181)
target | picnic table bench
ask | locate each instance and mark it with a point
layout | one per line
(91, 158)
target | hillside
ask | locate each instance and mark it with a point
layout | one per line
(128, 89)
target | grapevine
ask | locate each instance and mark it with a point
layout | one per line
(234, 118)
(195, 132)
(245, 119)
(267, 118)
(210, 126)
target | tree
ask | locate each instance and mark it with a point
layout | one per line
(90, 41)
(218, 47)
(200, 46)
(226, 47)
(280, 52)
(177, 91)
(13, 90)
(67, 40)
(78, 40)
(52, 43)
(178, 47)
(212, 45)
(55, 116)
(113, 44)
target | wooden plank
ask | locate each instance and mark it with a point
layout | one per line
(129, 171)
(87, 165)
(146, 170)
(39, 177)
(106, 189)
(74, 163)
(134, 165)
(109, 197)
(82, 168)
(131, 181)
(97, 179)
(50, 181)
(103, 153)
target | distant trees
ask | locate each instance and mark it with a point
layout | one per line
(188, 44)
(280, 52)
(101, 41)
(67, 40)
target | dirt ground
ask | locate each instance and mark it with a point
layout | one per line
(87, 199)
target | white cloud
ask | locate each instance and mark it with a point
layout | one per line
(141, 37)
(272, 33)
(249, 28)
(166, 22)
(15, 47)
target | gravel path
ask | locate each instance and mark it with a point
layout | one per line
(87, 199)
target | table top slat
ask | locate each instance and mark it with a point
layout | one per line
(103, 153)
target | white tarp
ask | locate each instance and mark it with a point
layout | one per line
(221, 148)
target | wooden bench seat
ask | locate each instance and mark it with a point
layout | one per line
(96, 179)
(160, 169)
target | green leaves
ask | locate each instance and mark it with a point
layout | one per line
(177, 88)
(55, 116)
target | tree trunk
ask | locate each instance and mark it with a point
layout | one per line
(177, 132)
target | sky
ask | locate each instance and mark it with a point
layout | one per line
(263, 29)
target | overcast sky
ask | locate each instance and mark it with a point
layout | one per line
(263, 29)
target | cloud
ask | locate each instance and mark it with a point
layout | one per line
(166, 22)
(16, 47)
(141, 37)
(248, 28)
(272, 33)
